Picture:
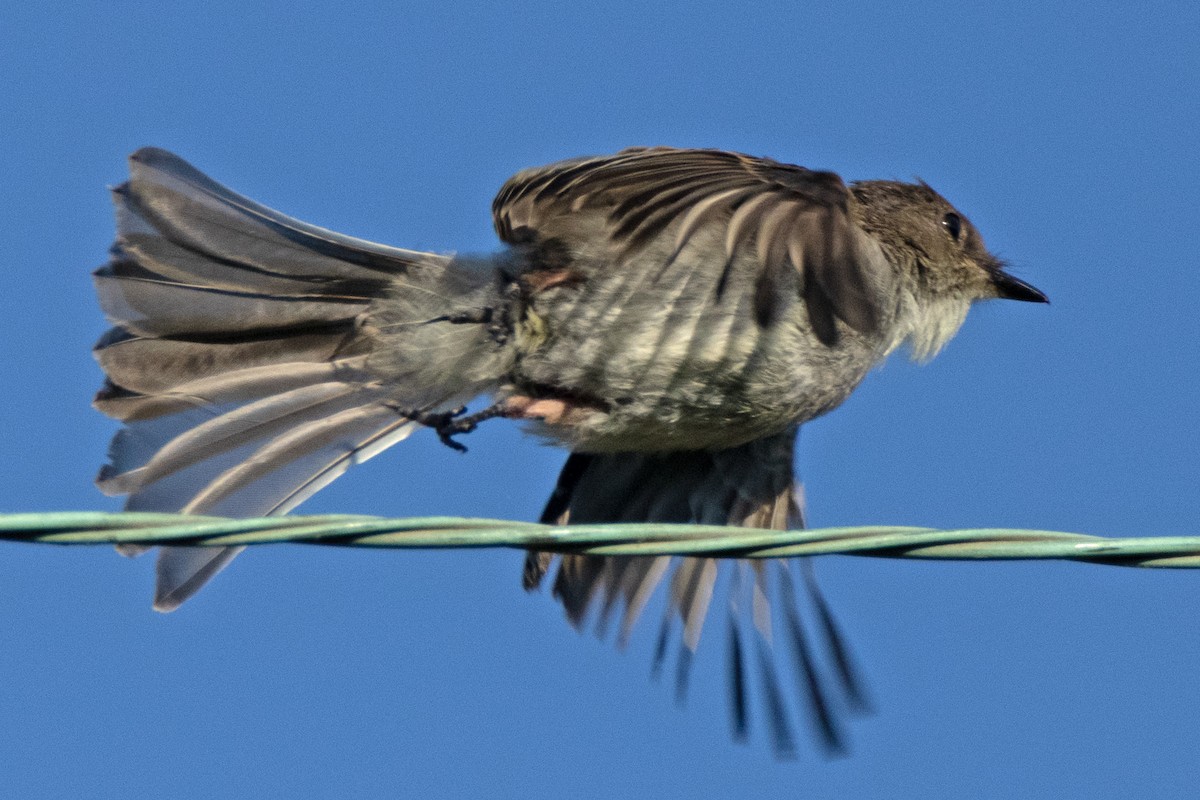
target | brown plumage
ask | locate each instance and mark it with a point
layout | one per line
(670, 316)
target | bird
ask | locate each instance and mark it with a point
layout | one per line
(669, 316)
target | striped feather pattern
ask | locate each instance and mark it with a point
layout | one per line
(238, 358)
(750, 486)
(785, 215)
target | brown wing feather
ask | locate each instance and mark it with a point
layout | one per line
(782, 215)
(750, 486)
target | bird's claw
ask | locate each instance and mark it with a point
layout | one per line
(448, 424)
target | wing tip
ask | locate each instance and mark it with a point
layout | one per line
(183, 571)
(151, 156)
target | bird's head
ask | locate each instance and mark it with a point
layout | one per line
(942, 265)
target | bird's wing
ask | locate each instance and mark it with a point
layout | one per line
(749, 486)
(785, 216)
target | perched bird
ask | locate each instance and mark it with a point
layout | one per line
(669, 316)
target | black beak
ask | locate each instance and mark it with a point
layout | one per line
(1011, 288)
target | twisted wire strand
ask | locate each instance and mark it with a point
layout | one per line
(346, 530)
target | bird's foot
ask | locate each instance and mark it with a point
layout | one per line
(448, 424)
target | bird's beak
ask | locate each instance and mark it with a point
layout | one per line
(1011, 288)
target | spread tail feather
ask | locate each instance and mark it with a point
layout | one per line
(245, 354)
(747, 486)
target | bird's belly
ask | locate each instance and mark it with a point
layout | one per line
(670, 370)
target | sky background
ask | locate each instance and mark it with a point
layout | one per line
(1067, 134)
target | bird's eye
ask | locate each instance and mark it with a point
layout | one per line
(953, 223)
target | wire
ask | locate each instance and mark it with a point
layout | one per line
(86, 527)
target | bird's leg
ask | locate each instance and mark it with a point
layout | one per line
(448, 424)
(472, 315)
(498, 319)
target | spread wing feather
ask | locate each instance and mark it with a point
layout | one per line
(238, 356)
(749, 486)
(783, 215)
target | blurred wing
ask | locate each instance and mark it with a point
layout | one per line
(748, 486)
(787, 217)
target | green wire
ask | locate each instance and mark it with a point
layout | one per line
(144, 528)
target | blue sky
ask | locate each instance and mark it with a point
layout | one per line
(1069, 137)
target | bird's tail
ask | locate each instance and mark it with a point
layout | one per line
(749, 486)
(255, 358)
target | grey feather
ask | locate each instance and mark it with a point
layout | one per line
(252, 422)
(232, 387)
(188, 208)
(153, 307)
(768, 204)
(750, 486)
(241, 357)
(182, 571)
(738, 705)
(811, 687)
(670, 316)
